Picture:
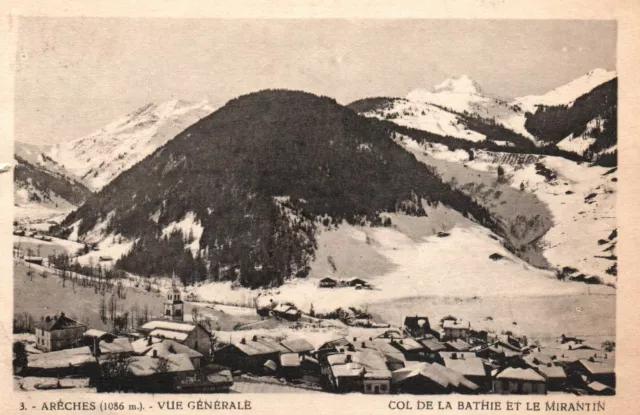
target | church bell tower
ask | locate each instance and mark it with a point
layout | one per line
(173, 306)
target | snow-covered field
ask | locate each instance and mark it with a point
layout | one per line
(426, 117)
(581, 199)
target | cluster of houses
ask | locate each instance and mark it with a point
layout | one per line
(170, 355)
(167, 355)
(420, 360)
(31, 234)
(356, 283)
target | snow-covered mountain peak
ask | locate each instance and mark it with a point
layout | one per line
(101, 156)
(566, 94)
(459, 84)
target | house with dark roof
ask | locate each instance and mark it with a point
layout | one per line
(327, 283)
(58, 333)
(416, 326)
(287, 312)
(358, 283)
(423, 378)
(519, 381)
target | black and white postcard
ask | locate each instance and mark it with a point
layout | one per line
(401, 214)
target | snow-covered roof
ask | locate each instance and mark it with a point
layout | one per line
(169, 347)
(146, 365)
(598, 366)
(94, 333)
(168, 325)
(62, 358)
(455, 324)
(552, 371)
(297, 345)
(517, 373)
(168, 334)
(443, 376)
(472, 366)
(118, 345)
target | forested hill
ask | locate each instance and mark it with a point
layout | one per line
(255, 177)
(593, 116)
(46, 187)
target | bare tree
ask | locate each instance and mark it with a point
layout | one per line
(162, 365)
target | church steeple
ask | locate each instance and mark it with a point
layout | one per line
(173, 306)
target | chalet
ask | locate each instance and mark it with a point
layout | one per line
(166, 347)
(357, 283)
(105, 258)
(287, 312)
(249, 355)
(337, 345)
(300, 346)
(57, 333)
(194, 336)
(431, 379)
(456, 329)
(34, 260)
(69, 362)
(19, 232)
(471, 367)
(519, 381)
(362, 371)
(457, 345)
(596, 370)
(416, 327)
(328, 283)
(410, 348)
(555, 376)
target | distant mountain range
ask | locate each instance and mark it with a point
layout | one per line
(248, 186)
(584, 110)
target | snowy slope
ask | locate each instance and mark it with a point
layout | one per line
(100, 157)
(462, 94)
(581, 198)
(566, 94)
(426, 117)
(582, 142)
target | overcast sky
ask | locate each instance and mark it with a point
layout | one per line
(74, 75)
